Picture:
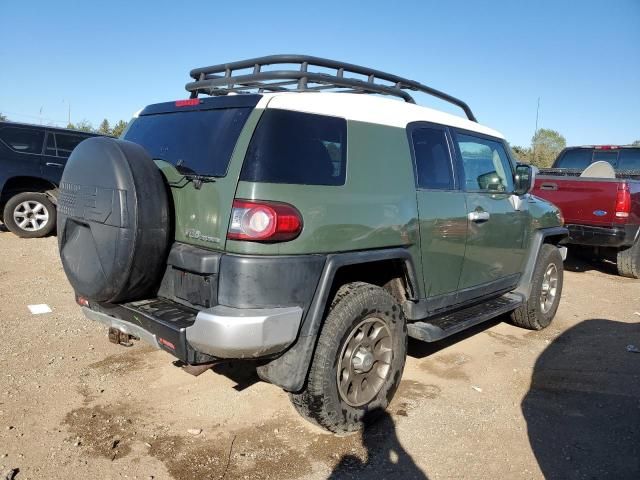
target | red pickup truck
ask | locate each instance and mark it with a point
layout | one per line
(602, 211)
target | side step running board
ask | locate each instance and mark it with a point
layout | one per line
(438, 327)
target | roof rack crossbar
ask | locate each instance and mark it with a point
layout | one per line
(224, 79)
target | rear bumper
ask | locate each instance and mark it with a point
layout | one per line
(622, 236)
(199, 337)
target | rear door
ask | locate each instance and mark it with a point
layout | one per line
(497, 220)
(22, 150)
(441, 209)
(58, 147)
(193, 144)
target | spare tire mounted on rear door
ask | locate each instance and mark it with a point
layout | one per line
(113, 220)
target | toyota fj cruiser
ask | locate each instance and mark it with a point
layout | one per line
(306, 230)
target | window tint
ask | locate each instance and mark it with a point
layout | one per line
(433, 164)
(23, 140)
(197, 142)
(610, 157)
(66, 143)
(485, 163)
(629, 159)
(294, 147)
(579, 158)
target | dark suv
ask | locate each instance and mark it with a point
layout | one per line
(32, 158)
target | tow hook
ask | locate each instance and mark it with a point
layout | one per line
(120, 338)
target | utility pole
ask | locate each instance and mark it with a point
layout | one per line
(536, 131)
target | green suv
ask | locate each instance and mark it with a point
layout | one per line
(297, 219)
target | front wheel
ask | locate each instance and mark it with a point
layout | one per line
(358, 362)
(30, 215)
(538, 311)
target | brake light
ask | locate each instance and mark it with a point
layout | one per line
(623, 201)
(607, 147)
(264, 221)
(187, 103)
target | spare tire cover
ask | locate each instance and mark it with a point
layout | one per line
(113, 220)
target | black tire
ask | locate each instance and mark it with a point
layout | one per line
(31, 205)
(628, 261)
(113, 221)
(532, 315)
(321, 401)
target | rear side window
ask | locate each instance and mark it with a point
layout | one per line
(66, 143)
(298, 148)
(197, 142)
(433, 163)
(578, 159)
(629, 159)
(23, 140)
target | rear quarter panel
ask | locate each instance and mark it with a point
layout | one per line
(376, 208)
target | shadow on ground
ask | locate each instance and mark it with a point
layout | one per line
(385, 456)
(581, 261)
(583, 408)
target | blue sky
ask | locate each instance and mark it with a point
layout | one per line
(108, 59)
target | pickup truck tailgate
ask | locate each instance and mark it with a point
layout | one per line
(581, 200)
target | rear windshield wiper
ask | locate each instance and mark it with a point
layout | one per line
(191, 175)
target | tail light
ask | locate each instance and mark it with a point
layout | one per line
(264, 221)
(623, 201)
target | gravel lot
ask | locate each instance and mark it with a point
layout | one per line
(497, 402)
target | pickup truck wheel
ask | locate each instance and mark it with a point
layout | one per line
(30, 215)
(358, 362)
(628, 261)
(546, 289)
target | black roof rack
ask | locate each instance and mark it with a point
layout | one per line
(223, 79)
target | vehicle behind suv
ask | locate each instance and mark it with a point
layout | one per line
(32, 158)
(597, 188)
(308, 232)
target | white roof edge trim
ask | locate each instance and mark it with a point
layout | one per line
(368, 108)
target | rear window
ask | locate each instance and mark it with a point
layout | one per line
(629, 159)
(197, 142)
(579, 159)
(23, 140)
(298, 148)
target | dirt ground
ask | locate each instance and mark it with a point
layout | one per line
(496, 402)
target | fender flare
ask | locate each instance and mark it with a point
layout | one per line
(553, 235)
(290, 370)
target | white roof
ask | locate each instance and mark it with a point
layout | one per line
(367, 108)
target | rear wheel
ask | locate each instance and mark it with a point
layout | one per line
(30, 215)
(628, 261)
(358, 362)
(546, 289)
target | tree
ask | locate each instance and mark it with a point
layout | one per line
(71, 126)
(84, 126)
(104, 128)
(546, 144)
(118, 128)
(636, 143)
(3, 118)
(522, 154)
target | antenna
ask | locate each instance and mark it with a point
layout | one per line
(536, 131)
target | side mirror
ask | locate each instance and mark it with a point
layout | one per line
(523, 179)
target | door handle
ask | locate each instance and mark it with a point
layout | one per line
(54, 164)
(478, 217)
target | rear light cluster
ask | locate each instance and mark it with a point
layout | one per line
(623, 202)
(264, 221)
